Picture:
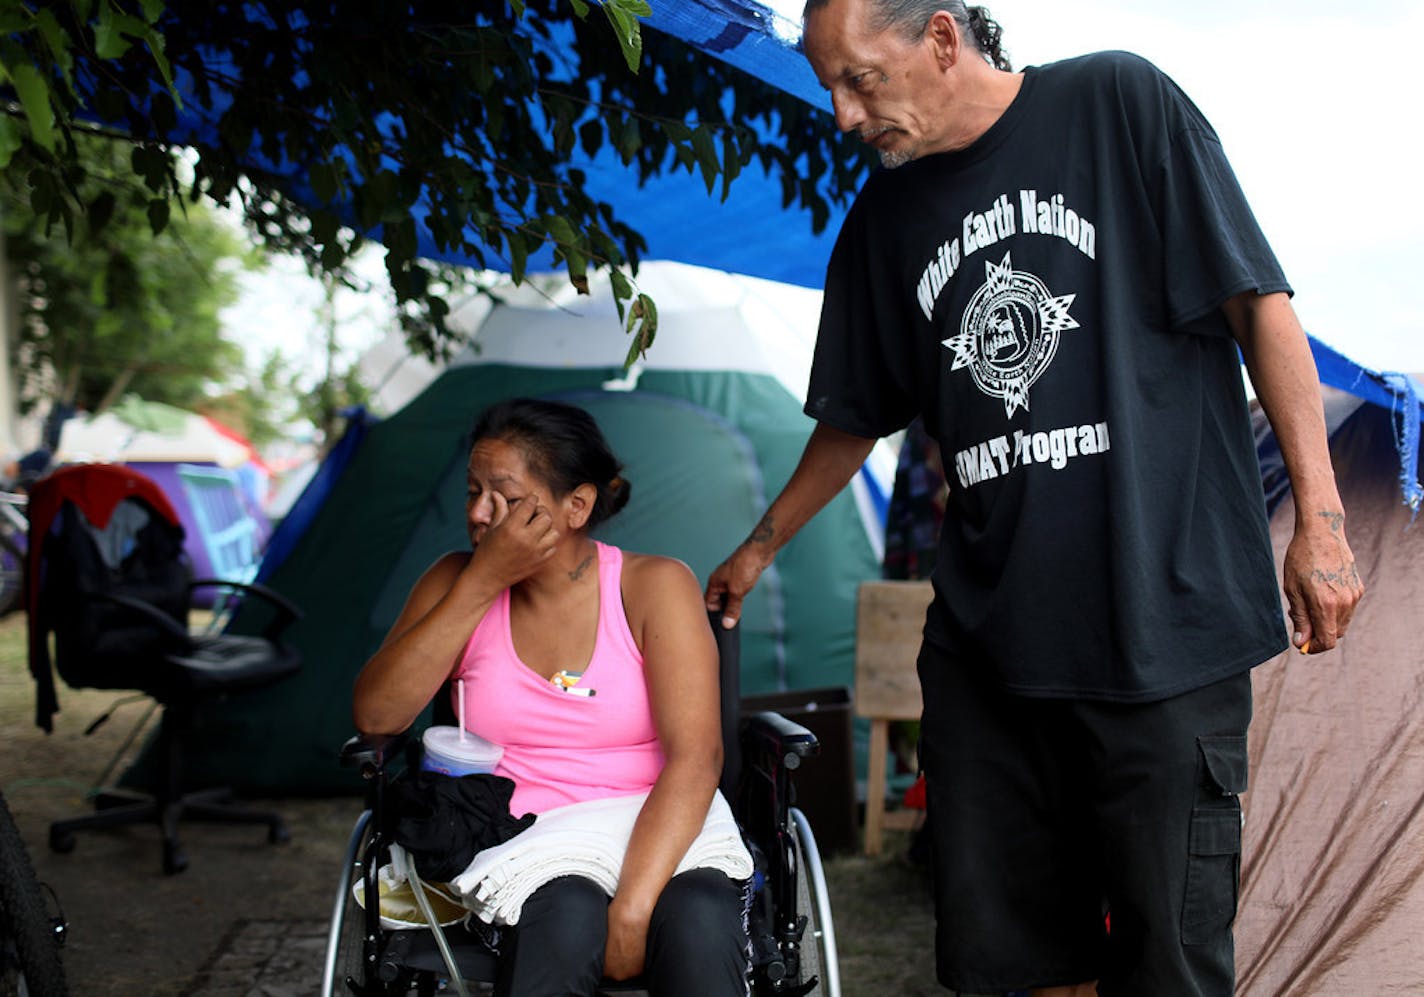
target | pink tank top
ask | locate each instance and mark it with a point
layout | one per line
(565, 743)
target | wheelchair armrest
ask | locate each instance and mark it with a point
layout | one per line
(371, 753)
(150, 612)
(771, 740)
(287, 612)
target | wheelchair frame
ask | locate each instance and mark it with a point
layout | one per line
(793, 945)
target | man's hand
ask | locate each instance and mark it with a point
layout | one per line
(827, 465)
(1321, 584)
(729, 584)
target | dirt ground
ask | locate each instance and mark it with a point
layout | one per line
(249, 918)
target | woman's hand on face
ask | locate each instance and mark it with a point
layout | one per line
(521, 536)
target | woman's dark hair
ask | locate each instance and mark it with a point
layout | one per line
(563, 445)
(910, 17)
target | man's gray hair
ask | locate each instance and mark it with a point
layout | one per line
(909, 17)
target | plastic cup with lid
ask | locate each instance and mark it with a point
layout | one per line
(453, 751)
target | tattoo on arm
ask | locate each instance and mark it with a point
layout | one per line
(1347, 576)
(764, 530)
(577, 573)
(1335, 519)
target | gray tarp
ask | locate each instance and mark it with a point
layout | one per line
(1333, 877)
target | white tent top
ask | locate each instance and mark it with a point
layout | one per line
(708, 320)
(108, 438)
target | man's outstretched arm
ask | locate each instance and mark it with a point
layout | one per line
(830, 460)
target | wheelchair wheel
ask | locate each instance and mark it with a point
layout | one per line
(818, 944)
(29, 939)
(343, 939)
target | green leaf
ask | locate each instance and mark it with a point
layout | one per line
(622, 289)
(163, 115)
(333, 255)
(158, 214)
(41, 193)
(560, 231)
(110, 104)
(55, 40)
(378, 199)
(101, 209)
(591, 137)
(160, 59)
(518, 254)
(630, 141)
(15, 19)
(323, 182)
(400, 239)
(626, 29)
(731, 162)
(109, 41)
(644, 315)
(151, 163)
(33, 92)
(706, 151)
(152, 10)
(9, 140)
(580, 8)
(518, 7)
(324, 227)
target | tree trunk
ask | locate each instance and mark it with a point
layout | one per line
(116, 389)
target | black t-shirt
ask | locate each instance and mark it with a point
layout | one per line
(1049, 300)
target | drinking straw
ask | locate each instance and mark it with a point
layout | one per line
(460, 705)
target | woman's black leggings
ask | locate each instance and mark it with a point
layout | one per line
(697, 942)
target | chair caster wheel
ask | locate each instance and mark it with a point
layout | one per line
(61, 842)
(277, 834)
(175, 859)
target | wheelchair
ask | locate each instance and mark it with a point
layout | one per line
(793, 943)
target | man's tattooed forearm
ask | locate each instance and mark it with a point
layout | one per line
(1335, 519)
(763, 531)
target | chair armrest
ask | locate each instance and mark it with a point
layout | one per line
(150, 612)
(287, 612)
(372, 753)
(773, 741)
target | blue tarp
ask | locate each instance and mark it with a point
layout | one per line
(750, 233)
(1402, 395)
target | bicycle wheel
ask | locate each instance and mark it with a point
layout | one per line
(818, 944)
(29, 947)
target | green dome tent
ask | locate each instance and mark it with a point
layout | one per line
(706, 427)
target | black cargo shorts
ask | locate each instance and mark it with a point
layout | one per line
(1083, 840)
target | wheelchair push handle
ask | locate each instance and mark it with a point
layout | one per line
(371, 754)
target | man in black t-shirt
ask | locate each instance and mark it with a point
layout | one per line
(1056, 272)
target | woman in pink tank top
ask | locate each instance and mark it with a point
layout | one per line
(596, 670)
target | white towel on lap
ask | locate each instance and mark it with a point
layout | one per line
(586, 839)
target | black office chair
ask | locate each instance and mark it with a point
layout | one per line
(109, 579)
(792, 936)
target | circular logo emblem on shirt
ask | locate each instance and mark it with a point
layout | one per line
(1009, 333)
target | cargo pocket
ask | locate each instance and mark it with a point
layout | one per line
(1214, 840)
